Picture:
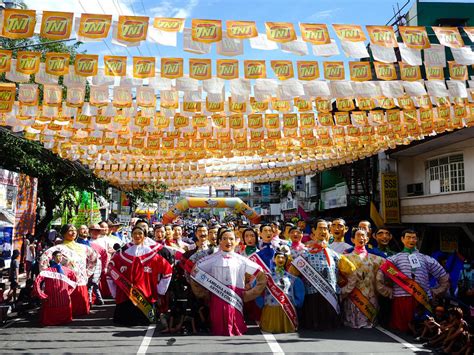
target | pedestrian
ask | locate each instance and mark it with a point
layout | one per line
(30, 255)
(14, 274)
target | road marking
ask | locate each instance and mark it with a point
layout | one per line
(400, 340)
(147, 339)
(272, 343)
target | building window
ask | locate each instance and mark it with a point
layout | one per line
(449, 171)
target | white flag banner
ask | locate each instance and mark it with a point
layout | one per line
(410, 56)
(102, 79)
(391, 89)
(261, 42)
(215, 97)
(414, 88)
(289, 89)
(158, 83)
(192, 46)
(326, 50)
(298, 47)
(241, 87)
(383, 54)
(164, 38)
(354, 49)
(457, 88)
(41, 77)
(15, 76)
(267, 86)
(193, 96)
(213, 85)
(463, 56)
(436, 88)
(229, 47)
(71, 79)
(435, 56)
(317, 89)
(187, 84)
(365, 89)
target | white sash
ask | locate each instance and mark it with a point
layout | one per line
(58, 276)
(218, 288)
(317, 281)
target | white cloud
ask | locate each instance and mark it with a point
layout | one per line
(169, 9)
(321, 15)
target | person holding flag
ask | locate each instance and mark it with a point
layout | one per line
(410, 273)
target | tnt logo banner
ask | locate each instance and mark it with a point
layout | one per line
(385, 71)
(290, 120)
(94, 27)
(415, 37)
(258, 106)
(171, 68)
(5, 60)
(350, 33)
(75, 96)
(360, 71)
(168, 24)
(200, 69)
(28, 94)
(57, 63)
(206, 31)
(28, 62)
(382, 36)
(161, 121)
(315, 33)
(255, 121)
(214, 106)
(303, 105)
(227, 69)
(238, 107)
(283, 69)
(86, 64)
(52, 95)
(434, 73)
(255, 69)
(181, 121)
(280, 31)
(7, 92)
(307, 70)
(457, 71)
(146, 97)
(409, 72)
(307, 120)
(334, 70)
(132, 28)
(18, 23)
(56, 25)
(115, 65)
(241, 29)
(449, 36)
(143, 67)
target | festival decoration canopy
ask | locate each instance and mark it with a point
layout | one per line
(223, 121)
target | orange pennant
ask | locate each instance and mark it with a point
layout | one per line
(280, 31)
(383, 36)
(28, 62)
(227, 69)
(171, 68)
(206, 31)
(56, 25)
(115, 65)
(415, 37)
(241, 29)
(385, 71)
(283, 69)
(255, 69)
(5, 60)
(94, 26)
(409, 72)
(200, 69)
(334, 70)
(57, 63)
(132, 28)
(168, 24)
(350, 33)
(449, 36)
(307, 70)
(86, 64)
(143, 67)
(18, 23)
(360, 71)
(315, 33)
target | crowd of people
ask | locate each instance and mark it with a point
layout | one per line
(286, 277)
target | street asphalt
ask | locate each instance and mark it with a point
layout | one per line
(97, 333)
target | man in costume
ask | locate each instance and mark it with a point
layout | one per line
(79, 258)
(137, 277)
(83, 235)
(283, 295)
(54, 286)
(220, 277)
(383, 238)
(360, 299)
(320, 266)
(410, 272)
(95, 232)
(338, 230)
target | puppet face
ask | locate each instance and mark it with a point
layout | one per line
(201, 234)
(138, 236)
(266, 234)
(383, 237)
(177, 232)
(168, 232)
(338, 229)
(159, 234)
(105, 228)
(57, 258)
(296, 235)
(227, 242)
(360, 238)
(212, 236)
(321, 233)
(409, 240)
(280, 260)
(250, 239)
(71, 234)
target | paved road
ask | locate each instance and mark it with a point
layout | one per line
(97, 334)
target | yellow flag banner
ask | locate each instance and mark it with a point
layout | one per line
(5, 60)
(132, 29)
(457, 71)
(86, 64)
(143, 67)
(414, 37)
(434, 73)
(171, 68)
(200, 69)
(350, 33)
(280, 31)
(307, 70)
(334, 70)
(383, 36)
(449, 36)
(18, 23)
(28, 62)
(168, 24)
(315, 33)
(283, 69)
(385, 71)
(56, 25)
(57, 63)
(360, 71)
(241, 29)
(255, 69)
(94, 26)
(227, 69)
(115, 65)
(206, 31)
(409, 72)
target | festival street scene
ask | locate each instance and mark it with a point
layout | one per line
(237, 176)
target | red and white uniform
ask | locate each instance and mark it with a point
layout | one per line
(104, 257)
(55, 293)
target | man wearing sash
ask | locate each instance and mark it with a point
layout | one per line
(79, 258)
(338, 230)
(319, 267)
(283, 295)
(360, 299)
(220, 277)
(54, 286)
(136, 277)
(410, 272)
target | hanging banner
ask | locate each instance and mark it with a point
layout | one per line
(307, 70)
(161, 121)
(258, 106)
(57, 63)
(28, 94)
(143, 67)
(56, 25)
(7, 92)
(214, 106)
(86, 64)
(52, 95)
(414, 37)
(383, 36)
(227, 69)
(94, 26)
(448, 36)
(171, 68)
(5, 60)
(434, 73)
(254, 69)
(206, 31)
(280, 31)
(350, 33)
(18, 23)
(200, 69)
(99, 95)
(283, 69)
(75, 96)
(385, 71)
(146, 96)
(457, 71)
(409, 72)
(334, 70)
(315, 33)
(132, 29)
(360, 71)
(28, 62)
(390, 203)
(241, 29)
(168, 24)
(115, 65)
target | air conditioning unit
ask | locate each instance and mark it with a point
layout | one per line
(415, 189)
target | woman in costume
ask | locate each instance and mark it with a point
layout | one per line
(360, 299)
(274, 319)
(137, 275)
(220, 278)
(251, 241)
